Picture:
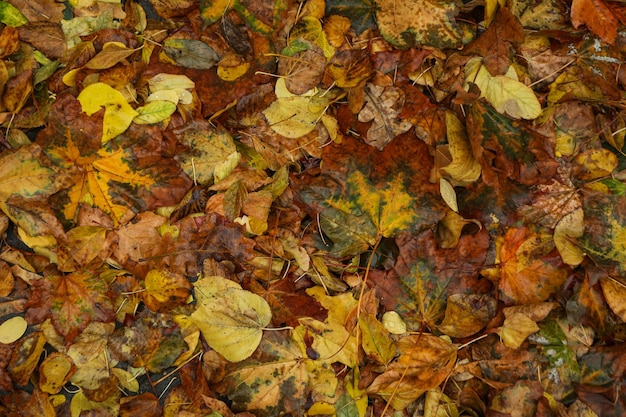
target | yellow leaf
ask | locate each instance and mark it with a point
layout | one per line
(230, 318)
(615, 293)
(331, 338)
(376, 341)
(566, 230)
(118, 115)
(12, 329)
(154, 112)
(231, 67)
(516, 329)
(448, 194)
(464, 167)
(165, 290)
(54, 372)
(506, 95)
(394, 323)
(126, 380)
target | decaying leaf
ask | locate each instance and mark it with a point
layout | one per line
(424, 362)
(382, 106)
(423, 22)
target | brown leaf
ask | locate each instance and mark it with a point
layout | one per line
(47, 37)
(18, 91)
(25, 357)
(9, 42)
(382, 107)
(597, 16)
(496, 44)
(425, 361)
(532, 270)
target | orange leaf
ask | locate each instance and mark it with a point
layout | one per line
(425, 362)
(76, 300)
(597, 16)
(531, 269)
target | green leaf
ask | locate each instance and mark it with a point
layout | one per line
(191, 53)
(154, 112)
(604, 239)
(11, 15)
(360, 12)
(408, 24)
(366, 213)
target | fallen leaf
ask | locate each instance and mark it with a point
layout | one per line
(505, 93)
(12, 329)
(424, 22)
(230, 318)
(597, 16)
(54, 372)
(118, 114)
(165, 290)
(382, 106)
(515, 329)
(614, 291)
(467, 314)
(191, 53)
(424, 362)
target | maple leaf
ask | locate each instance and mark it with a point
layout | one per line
(126, 173)
(277, 378)
(73, 301)
(424, 362)
(530, 269)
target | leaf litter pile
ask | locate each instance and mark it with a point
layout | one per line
(342, 208)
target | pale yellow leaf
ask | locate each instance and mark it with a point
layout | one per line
(569, 228)
(504, 93)
(230, 318)
(12, 329)
(516, 329)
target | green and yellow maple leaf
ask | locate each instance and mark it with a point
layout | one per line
(127, 173)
